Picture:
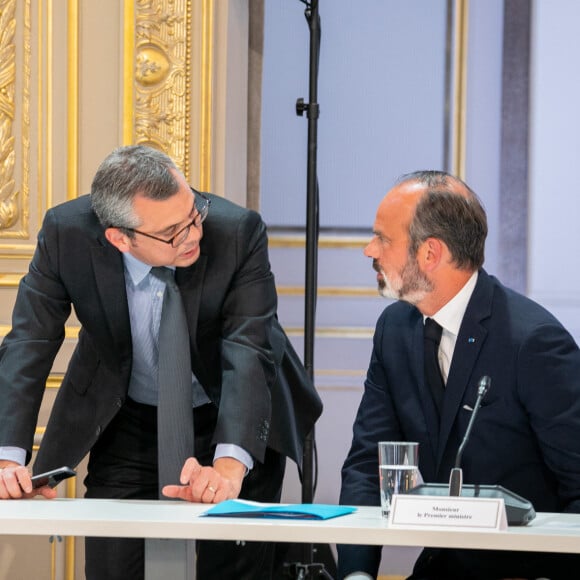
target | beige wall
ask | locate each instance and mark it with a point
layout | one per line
(81, 78)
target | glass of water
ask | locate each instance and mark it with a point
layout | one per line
(398, 469)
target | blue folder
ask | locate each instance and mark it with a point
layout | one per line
(304, 511)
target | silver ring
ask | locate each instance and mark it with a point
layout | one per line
(213, 490)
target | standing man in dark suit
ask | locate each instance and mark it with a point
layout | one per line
(253, 403)
(428, 251)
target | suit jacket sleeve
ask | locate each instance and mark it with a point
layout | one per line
(28, 351)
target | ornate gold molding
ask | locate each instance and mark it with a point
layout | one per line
(10, 280)
(14, 202)
(461, 22)
(299, 241)
(73, 94)
(158, 91)
(332, 291)
(70, 332)
(206, 120)
(339, 332)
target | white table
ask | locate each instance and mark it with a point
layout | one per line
(180, 521)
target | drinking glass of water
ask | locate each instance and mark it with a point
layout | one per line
(398, 469)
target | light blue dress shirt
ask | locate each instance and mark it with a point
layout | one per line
(145, 299)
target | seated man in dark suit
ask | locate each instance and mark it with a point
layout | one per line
(428, 251)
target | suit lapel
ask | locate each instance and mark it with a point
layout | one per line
(472, 335)
(110, 279)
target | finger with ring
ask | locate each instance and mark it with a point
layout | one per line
(212, 489)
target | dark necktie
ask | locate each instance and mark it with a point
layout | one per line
(431, 339)
(175, 405)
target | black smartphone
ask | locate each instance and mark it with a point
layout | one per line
(52, 478)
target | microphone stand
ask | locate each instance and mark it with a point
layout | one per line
(308, 568)
(456, 477)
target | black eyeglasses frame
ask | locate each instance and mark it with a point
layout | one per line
(177, 239)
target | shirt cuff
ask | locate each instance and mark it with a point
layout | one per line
(231, 450)
(15, 454)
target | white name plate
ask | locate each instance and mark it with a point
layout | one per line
(427, 511)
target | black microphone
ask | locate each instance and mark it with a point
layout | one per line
(456, 477)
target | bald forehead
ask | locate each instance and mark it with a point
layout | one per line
(446, 183)
(402, 198)
(400, 203)
(397, 208)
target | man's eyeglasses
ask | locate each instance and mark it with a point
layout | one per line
(201, 206)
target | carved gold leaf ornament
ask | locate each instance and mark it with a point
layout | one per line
(152, 65)
(8, 195)
(161, 88)
(8, 206)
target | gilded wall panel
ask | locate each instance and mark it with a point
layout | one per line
(161, 77)
(15, 49)
(78, 78)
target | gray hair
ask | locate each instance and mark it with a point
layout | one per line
(126, 172)
(442, 212)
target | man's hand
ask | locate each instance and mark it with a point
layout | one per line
(15, 483)
(208, 484)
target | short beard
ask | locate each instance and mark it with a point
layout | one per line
(411, 285)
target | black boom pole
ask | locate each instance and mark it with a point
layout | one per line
(310, 291)
(308, 568)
